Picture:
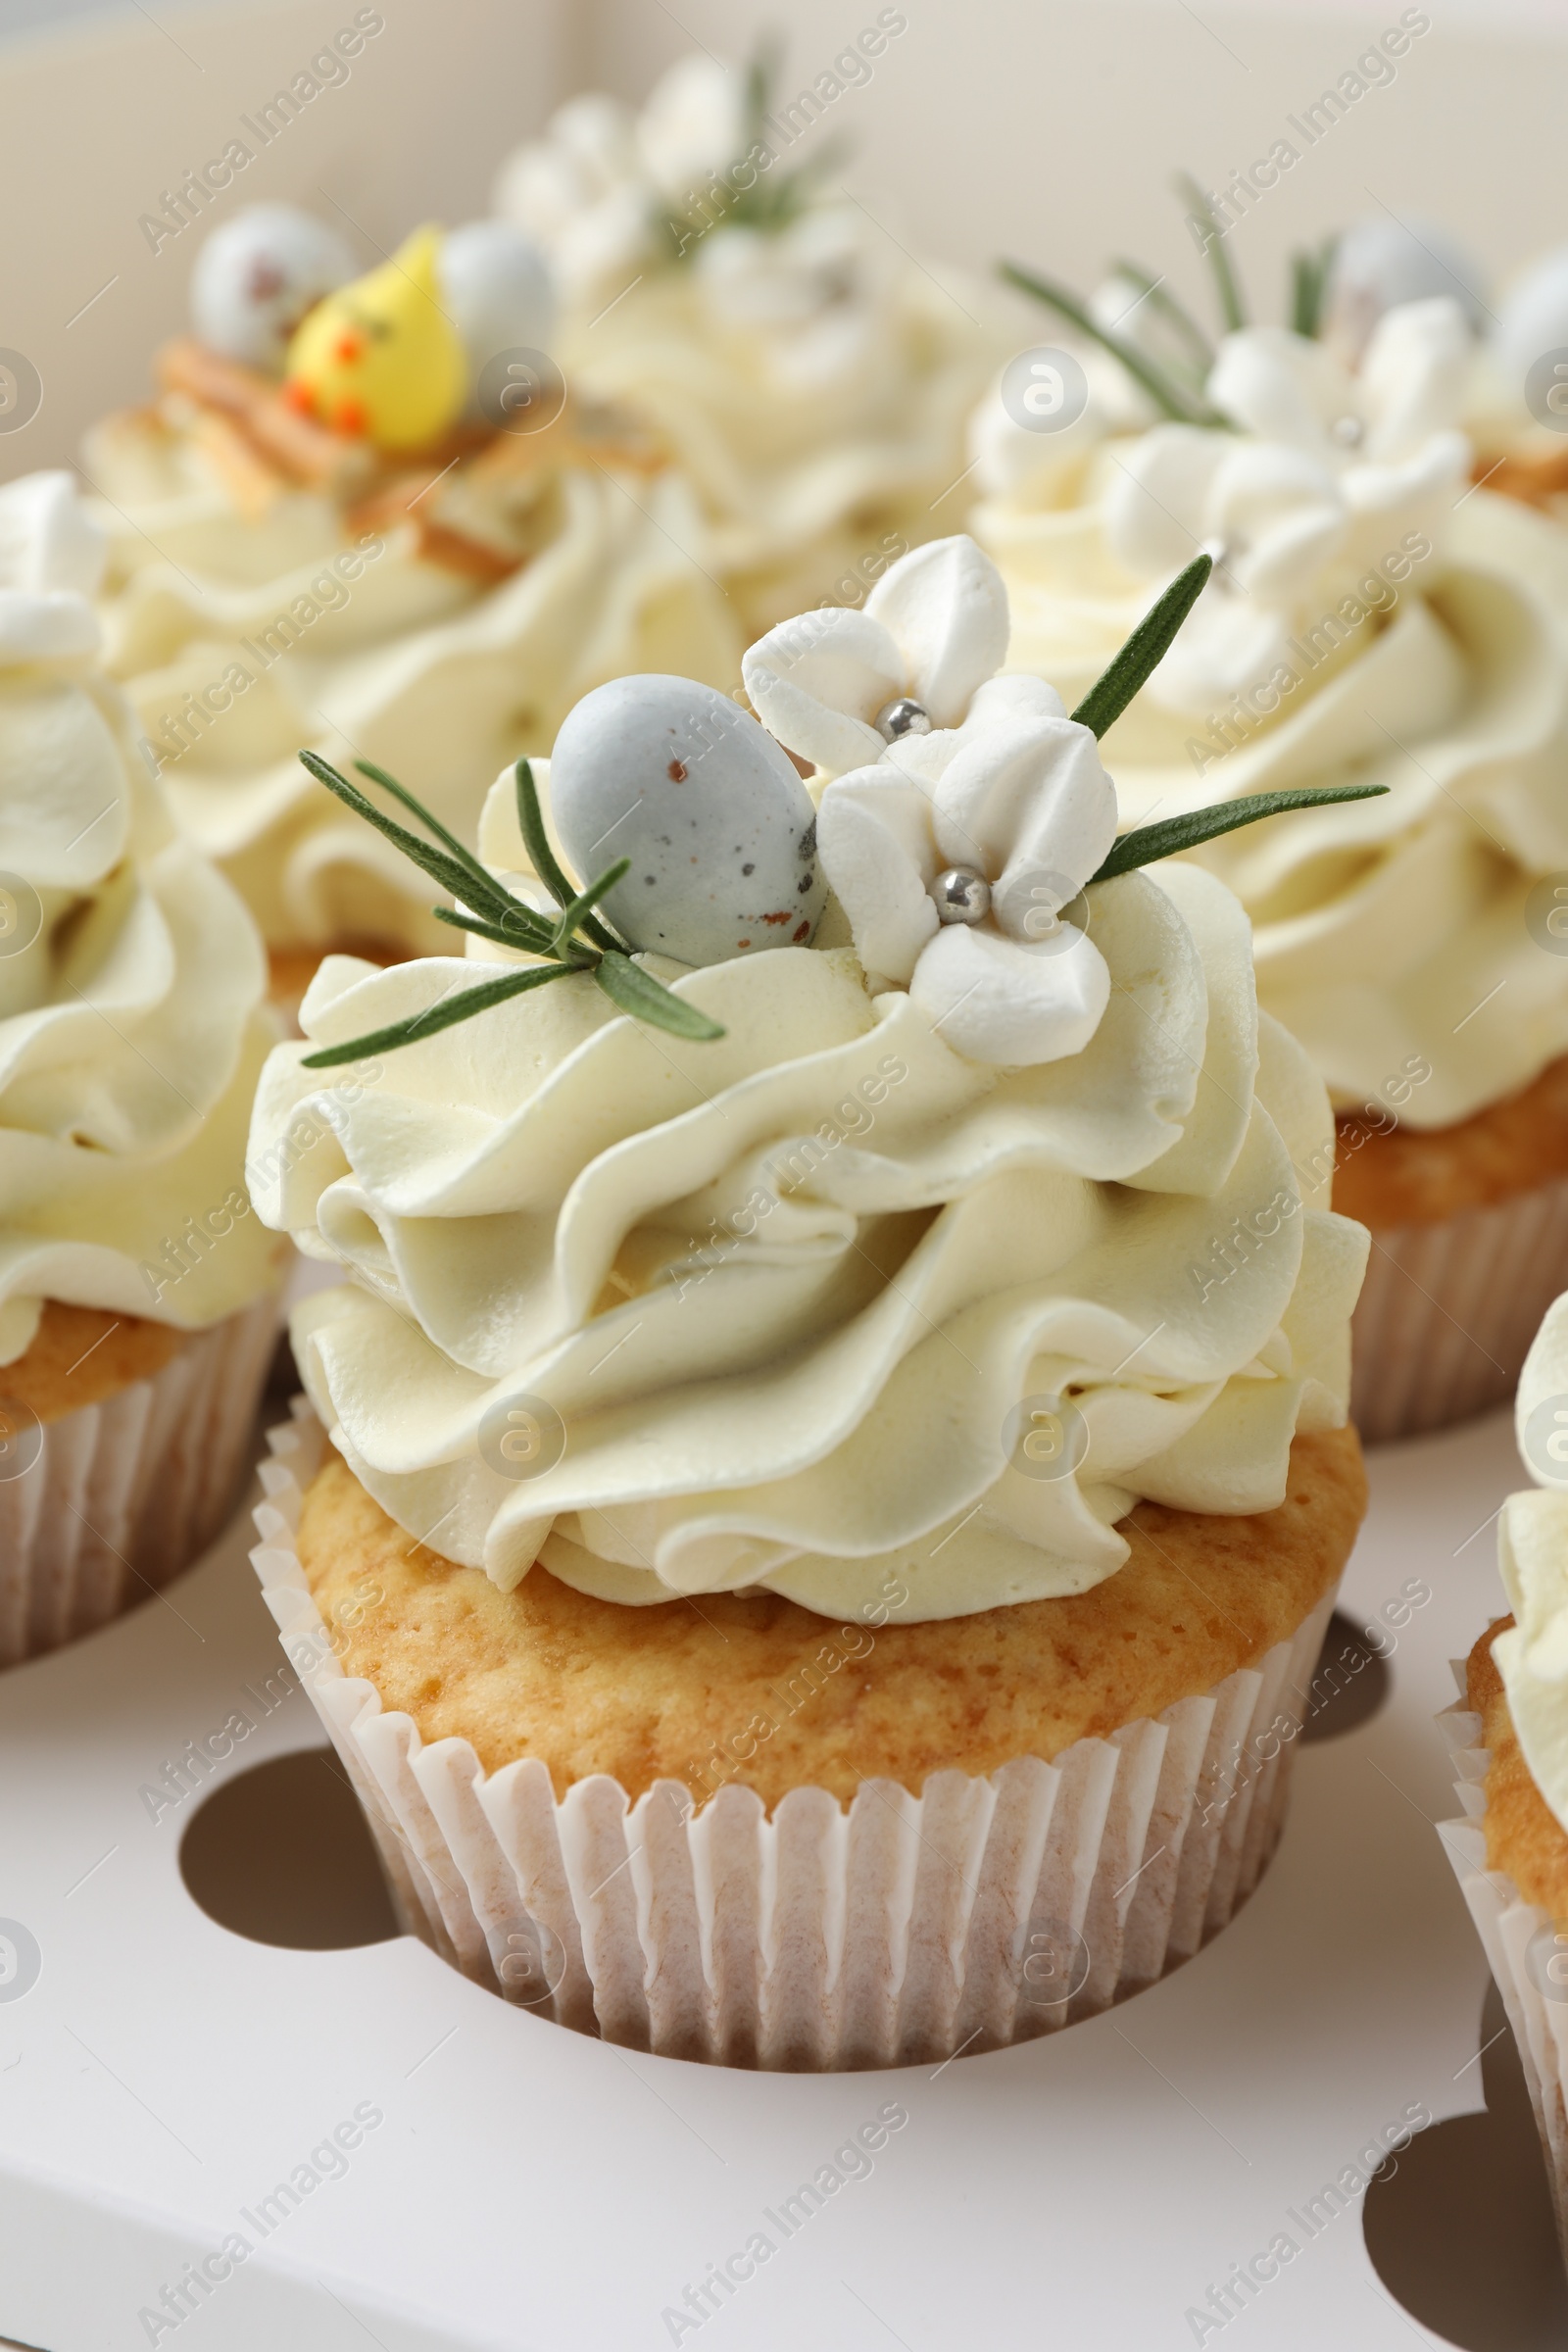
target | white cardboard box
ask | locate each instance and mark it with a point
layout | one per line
(532, 2190)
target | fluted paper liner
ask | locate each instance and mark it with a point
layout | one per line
(894, 1932)
(126, 1493)
(1508, 1926)
(1447, 1313)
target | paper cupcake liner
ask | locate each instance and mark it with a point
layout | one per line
(1521, 1946)
(124, 1493)
(1447, 1313)
(905, 1929)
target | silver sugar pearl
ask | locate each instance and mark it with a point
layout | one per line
(1348, 431)
(902, 716)
(961, 897)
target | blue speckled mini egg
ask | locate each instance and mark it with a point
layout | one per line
(719, 829)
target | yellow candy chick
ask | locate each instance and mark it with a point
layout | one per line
(379, 358)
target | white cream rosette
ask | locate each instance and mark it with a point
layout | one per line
(1532, 1553)
(130, 978)
(242, 637)
(1378, 623)
(779, 1293)
(1001, 786)
(810, 379)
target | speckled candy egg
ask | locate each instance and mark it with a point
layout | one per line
(719, 829)
(256, 277)
(497, 290)
(1380, 262)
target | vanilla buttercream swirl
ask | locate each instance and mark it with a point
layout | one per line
(779, 1295)
(1390, 933)
(1532, 1656)
(243, 635)
(131, 980)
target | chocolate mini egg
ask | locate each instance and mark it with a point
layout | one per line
(719, 829)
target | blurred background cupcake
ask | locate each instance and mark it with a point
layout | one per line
(137, 1290)
(819, 1436)
(367, 511)
(1510, 1733)
(1373, 614)
(810, 377)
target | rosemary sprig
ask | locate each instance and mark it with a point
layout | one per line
(1232, 308)
(1110, 696)
(1157, 295)
(1145, 843)
(773, 198)
(445, 1013)
(577, 942)
(542, 857)
(1173, 400)
(1143, 651)
(1309, 278)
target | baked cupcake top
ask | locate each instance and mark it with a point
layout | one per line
(366, 511)
(131, 980)
(903, 1261)
(812, 379)
(1371, 615)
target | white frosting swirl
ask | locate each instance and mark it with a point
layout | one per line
(812, 380)
(131, 980)
(1532, 1553)
(244, 634)
(783, 1291)
(1376, 629)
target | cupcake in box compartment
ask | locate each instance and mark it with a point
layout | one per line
(1510, 1733)
(137, 1307)
(810, 378)
(1372, 615)
(786, 1425)
(370, 516)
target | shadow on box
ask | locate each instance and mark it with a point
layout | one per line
(1458, 2227)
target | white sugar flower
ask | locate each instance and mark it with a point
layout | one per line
(967, 810)
(1328, 474)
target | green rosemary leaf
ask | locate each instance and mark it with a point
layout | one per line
(1169, 398)
(524, 930)
(1309, 278)
(442, 869)
(1178, 833)
(1232, 308)
(575, 917)
(637, 992)
(416, 808)
(1143, 651)
(1159, 297)
(531, 824)
(443, 1015)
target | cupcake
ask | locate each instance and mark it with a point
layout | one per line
(137, 1290)
(1510, 1736)
(365, 513)
(821, 1495)
(1371, 615)
(810, 378)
